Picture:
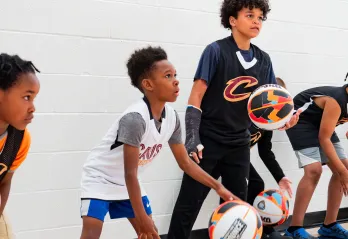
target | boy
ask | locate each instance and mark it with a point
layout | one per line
(315, 143)
(110, 174)
(18, 89)
(263, 139)
(216, 116)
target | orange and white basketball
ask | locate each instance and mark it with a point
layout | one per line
(235, 219)
(273, 207)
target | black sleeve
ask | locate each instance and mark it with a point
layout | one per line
(267, 156)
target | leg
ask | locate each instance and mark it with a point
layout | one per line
(91, 228)
(93, 212)
(304, 193)
(335, 193)
(192, 194)
(123, 209)
(310, 159)
(235, 171)
(136, 226)
(330, 228)
(255, 185)
(190, 200)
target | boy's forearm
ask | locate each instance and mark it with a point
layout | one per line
(134, 192)
(195, 172)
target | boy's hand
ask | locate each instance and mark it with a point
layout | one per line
(344, 182)
(292, 122)
(285, 185)
(195, 152)
(225, 194)
(147, 229)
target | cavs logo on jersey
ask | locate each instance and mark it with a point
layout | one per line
(148, 153)
(236, 83)
(255, 137)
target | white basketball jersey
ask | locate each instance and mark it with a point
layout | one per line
(103, 171)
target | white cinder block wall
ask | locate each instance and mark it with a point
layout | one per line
(81, 47)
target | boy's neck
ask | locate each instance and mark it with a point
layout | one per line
(242, 41)
(156, 107)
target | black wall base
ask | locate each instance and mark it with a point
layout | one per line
(312, 219)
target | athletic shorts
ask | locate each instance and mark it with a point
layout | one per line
(315, 154)
(98, 209)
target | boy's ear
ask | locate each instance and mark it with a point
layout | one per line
(147, 84)
(232, 21)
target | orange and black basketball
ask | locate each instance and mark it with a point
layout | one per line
(270, 107)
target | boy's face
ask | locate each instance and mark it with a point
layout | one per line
(248, 23)
(163, 83)
(17, 103)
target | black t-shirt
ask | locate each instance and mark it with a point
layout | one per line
(263, 139)
(231, 76)
(305, 133)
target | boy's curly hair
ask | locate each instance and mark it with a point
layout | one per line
(141, 63)
(232, 7)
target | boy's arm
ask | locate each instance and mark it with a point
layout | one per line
(130, 132)
(5, 187)
(189, 167)
(205, 72)
(267, 156)
(271, 79)
(5, 184)
(331, 114)
(194, 171)
(131, 159)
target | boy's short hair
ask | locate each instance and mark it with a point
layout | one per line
(280, 82)
(141, 63)
(232, 7)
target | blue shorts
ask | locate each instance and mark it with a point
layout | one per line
(98, 208)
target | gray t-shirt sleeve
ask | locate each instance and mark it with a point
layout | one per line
(131, 129)
(176, 136)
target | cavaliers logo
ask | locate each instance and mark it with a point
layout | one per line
(232, 85)
(3, 168)
(255, 137)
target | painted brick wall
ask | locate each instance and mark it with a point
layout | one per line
(81, 47)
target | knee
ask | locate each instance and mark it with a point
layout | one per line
(313, 172)
(91, 228)
(89, 235)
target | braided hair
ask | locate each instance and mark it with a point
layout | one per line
(11, 68)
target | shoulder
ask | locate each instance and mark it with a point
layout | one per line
(262, 53)
(23, 150)
(26, 140)
(212, 49)
(132, 119)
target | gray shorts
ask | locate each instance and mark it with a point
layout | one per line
(315, 154)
